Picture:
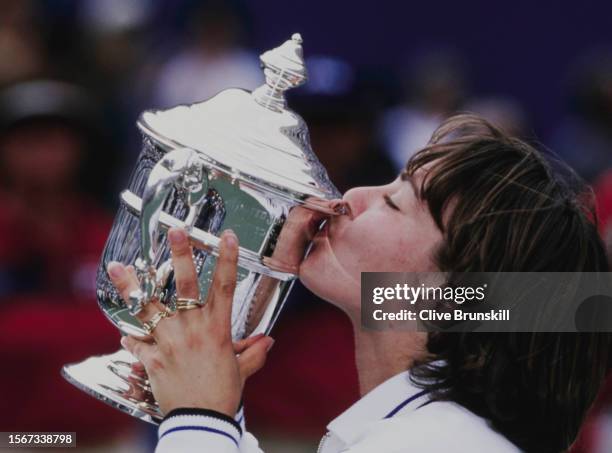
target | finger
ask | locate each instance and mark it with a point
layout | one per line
(241, 345)
(139, 373)
(182, 261)
(132, 271)
(221, 294)
(139, 376)
(254, 357)
(145, 338)
(139, 349)
(138, 367)
(124, 280)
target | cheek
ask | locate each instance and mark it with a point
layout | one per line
(390, 246)
(370, 244)
(378, 254)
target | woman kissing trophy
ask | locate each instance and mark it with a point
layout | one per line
(240, 160)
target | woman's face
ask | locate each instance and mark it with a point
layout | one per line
(390, 230)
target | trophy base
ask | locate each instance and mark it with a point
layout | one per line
(110, 379)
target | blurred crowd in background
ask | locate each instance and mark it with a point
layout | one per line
(74, 76)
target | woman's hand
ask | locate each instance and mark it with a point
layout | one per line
(190, 358)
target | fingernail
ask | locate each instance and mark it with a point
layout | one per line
(124, 342)
(271, 344)
(115, 269)
(176, 236)
(230, 238)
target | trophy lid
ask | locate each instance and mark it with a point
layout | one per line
(252, 136)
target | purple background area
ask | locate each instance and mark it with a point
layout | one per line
(519, 49)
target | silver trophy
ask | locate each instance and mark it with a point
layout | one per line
(239, 160)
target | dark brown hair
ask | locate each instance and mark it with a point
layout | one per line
(512, 209)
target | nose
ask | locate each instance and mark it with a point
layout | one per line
(358, 199)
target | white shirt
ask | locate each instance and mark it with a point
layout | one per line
(394, 417)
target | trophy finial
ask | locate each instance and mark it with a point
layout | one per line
(284, 68)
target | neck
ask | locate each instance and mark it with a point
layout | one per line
(381, 355)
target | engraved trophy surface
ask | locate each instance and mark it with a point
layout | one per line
(239, 160)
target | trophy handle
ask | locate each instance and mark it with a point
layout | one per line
(183, 169)
(207, 241)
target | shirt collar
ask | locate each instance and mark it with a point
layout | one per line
(396, 395)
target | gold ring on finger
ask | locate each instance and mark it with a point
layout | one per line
(187, 303)
(150, 325)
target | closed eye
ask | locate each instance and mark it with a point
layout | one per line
(390, 202)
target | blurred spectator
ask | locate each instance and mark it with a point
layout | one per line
(52, 233)
(108, 17)
(435, 89)
(584, 139)
(118, 47)
(212, 61)
(341, 117)
(603, 193)
(120, 53)
(505, 113)
(43, 145)
(20, 44)
(596, 433)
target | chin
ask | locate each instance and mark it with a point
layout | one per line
(311, 272)
(321, 276)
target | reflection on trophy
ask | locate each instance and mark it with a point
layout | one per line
(239, 160)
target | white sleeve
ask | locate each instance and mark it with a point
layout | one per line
(202, 430)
